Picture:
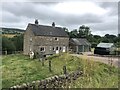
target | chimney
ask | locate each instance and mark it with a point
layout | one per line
(53, 24)
(36, 21)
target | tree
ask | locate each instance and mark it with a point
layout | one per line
(66, 30)
(84, 31)
(7, 45)
(81, 31)
(87, 31)
(18, 42)
(74, 33)
(109, 38)
(82, 27)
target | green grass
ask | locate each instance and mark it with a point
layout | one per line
(98, 76)
(18, 69)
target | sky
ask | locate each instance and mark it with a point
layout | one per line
(101, 17)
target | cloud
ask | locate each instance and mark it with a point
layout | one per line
(9, 17)
(99, 16)
(79, 8)
(112, 6)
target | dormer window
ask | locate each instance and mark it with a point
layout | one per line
(56, 39)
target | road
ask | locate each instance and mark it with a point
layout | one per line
(106, 60)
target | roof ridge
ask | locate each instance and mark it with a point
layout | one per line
(44, 25)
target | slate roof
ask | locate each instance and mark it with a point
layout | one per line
(42, 30)
(105, 45)
(80, 41)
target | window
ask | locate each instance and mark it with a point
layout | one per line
(56, 39)
(53, 49)
(60, 48)
(56, 48)
(42, 49)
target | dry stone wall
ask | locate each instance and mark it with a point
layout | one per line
(61, 81)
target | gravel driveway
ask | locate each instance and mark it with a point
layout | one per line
(107, 60)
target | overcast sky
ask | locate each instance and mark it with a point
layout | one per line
(101, 17)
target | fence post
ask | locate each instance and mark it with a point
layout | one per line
(50, 66)
(6, 52)
(42, 58)
(64, 70)
(42, 61)
(111, 60)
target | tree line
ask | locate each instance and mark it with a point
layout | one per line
(85, 32)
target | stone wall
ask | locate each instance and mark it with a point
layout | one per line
(61, 81)
(49, 43)
(28, 42)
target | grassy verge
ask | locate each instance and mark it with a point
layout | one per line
(18, 69)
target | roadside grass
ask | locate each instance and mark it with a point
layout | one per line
(98, 76)
(18, 69)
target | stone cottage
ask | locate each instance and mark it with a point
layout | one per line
(46, 39)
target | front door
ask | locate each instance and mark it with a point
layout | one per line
(64, 49)
(57, 50)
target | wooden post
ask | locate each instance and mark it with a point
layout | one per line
(64, 70)
(42, 61)
(111, 60)
(6, 52)
(50, 66)
(42, 58)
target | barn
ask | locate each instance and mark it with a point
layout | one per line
(79, 45)
(104, 49)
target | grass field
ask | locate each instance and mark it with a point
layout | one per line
(9, 35)
(18, 69)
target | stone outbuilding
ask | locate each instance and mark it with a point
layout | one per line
(79, 45)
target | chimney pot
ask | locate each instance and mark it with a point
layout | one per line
(53, 24)
(36, 21)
